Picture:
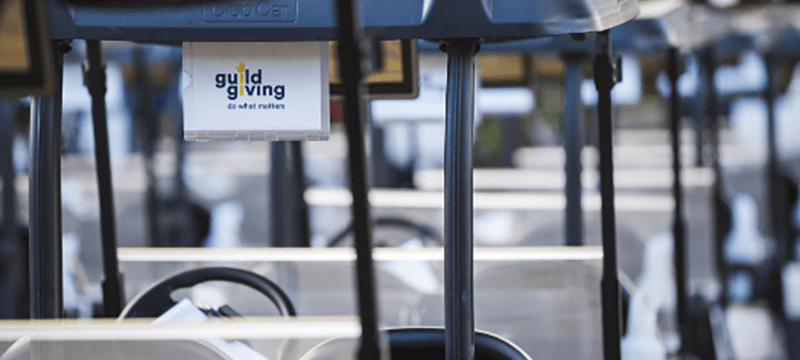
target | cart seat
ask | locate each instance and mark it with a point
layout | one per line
(421, 343)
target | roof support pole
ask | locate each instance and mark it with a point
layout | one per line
(459, 120)
(47, 300)
(606, 74)
(353, 64)
(674, 70)
(573, 145)
(12, 262)
(95, 81)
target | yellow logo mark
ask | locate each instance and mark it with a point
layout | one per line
(240, 69)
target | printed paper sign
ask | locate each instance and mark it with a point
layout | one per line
(256, 91)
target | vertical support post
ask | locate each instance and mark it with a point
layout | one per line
(302, 227)
(7, 171)
(606, 73)
(775, 190)
(95, 81)
(458, 302)
(12, 263)
(698, 140)
(573, 145)
(674, 70)
(277, 199)
(353, 62)
(287, 216)
(720, 209)
(381, 173)
(509, 126)
(188, 222)
(288, 209)
(47, 301)
(781, 195)
(145, 119)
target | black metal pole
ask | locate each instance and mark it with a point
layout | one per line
(509, 126)
(46, 286)
(673, 72)
(605, 76)
(458, 302)
(781, 195)
(12, 263)
(382, 174)
(188, 221)
(7, 171)
(277, 197)
(573, 145)
(287, 225)
(720, 209)
(301, 226)
(698, 140)
(145, 119)
(352, 62)
(288, 208)
(95, 81)
(775, 189)
(777, 192)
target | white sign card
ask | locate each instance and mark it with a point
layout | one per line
(256, 91)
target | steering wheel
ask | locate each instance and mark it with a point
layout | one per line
(157, 299)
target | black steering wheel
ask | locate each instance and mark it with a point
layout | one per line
(156, 300)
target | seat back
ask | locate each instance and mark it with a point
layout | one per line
(429, 343)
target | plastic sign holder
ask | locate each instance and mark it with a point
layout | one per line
(256, 91)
